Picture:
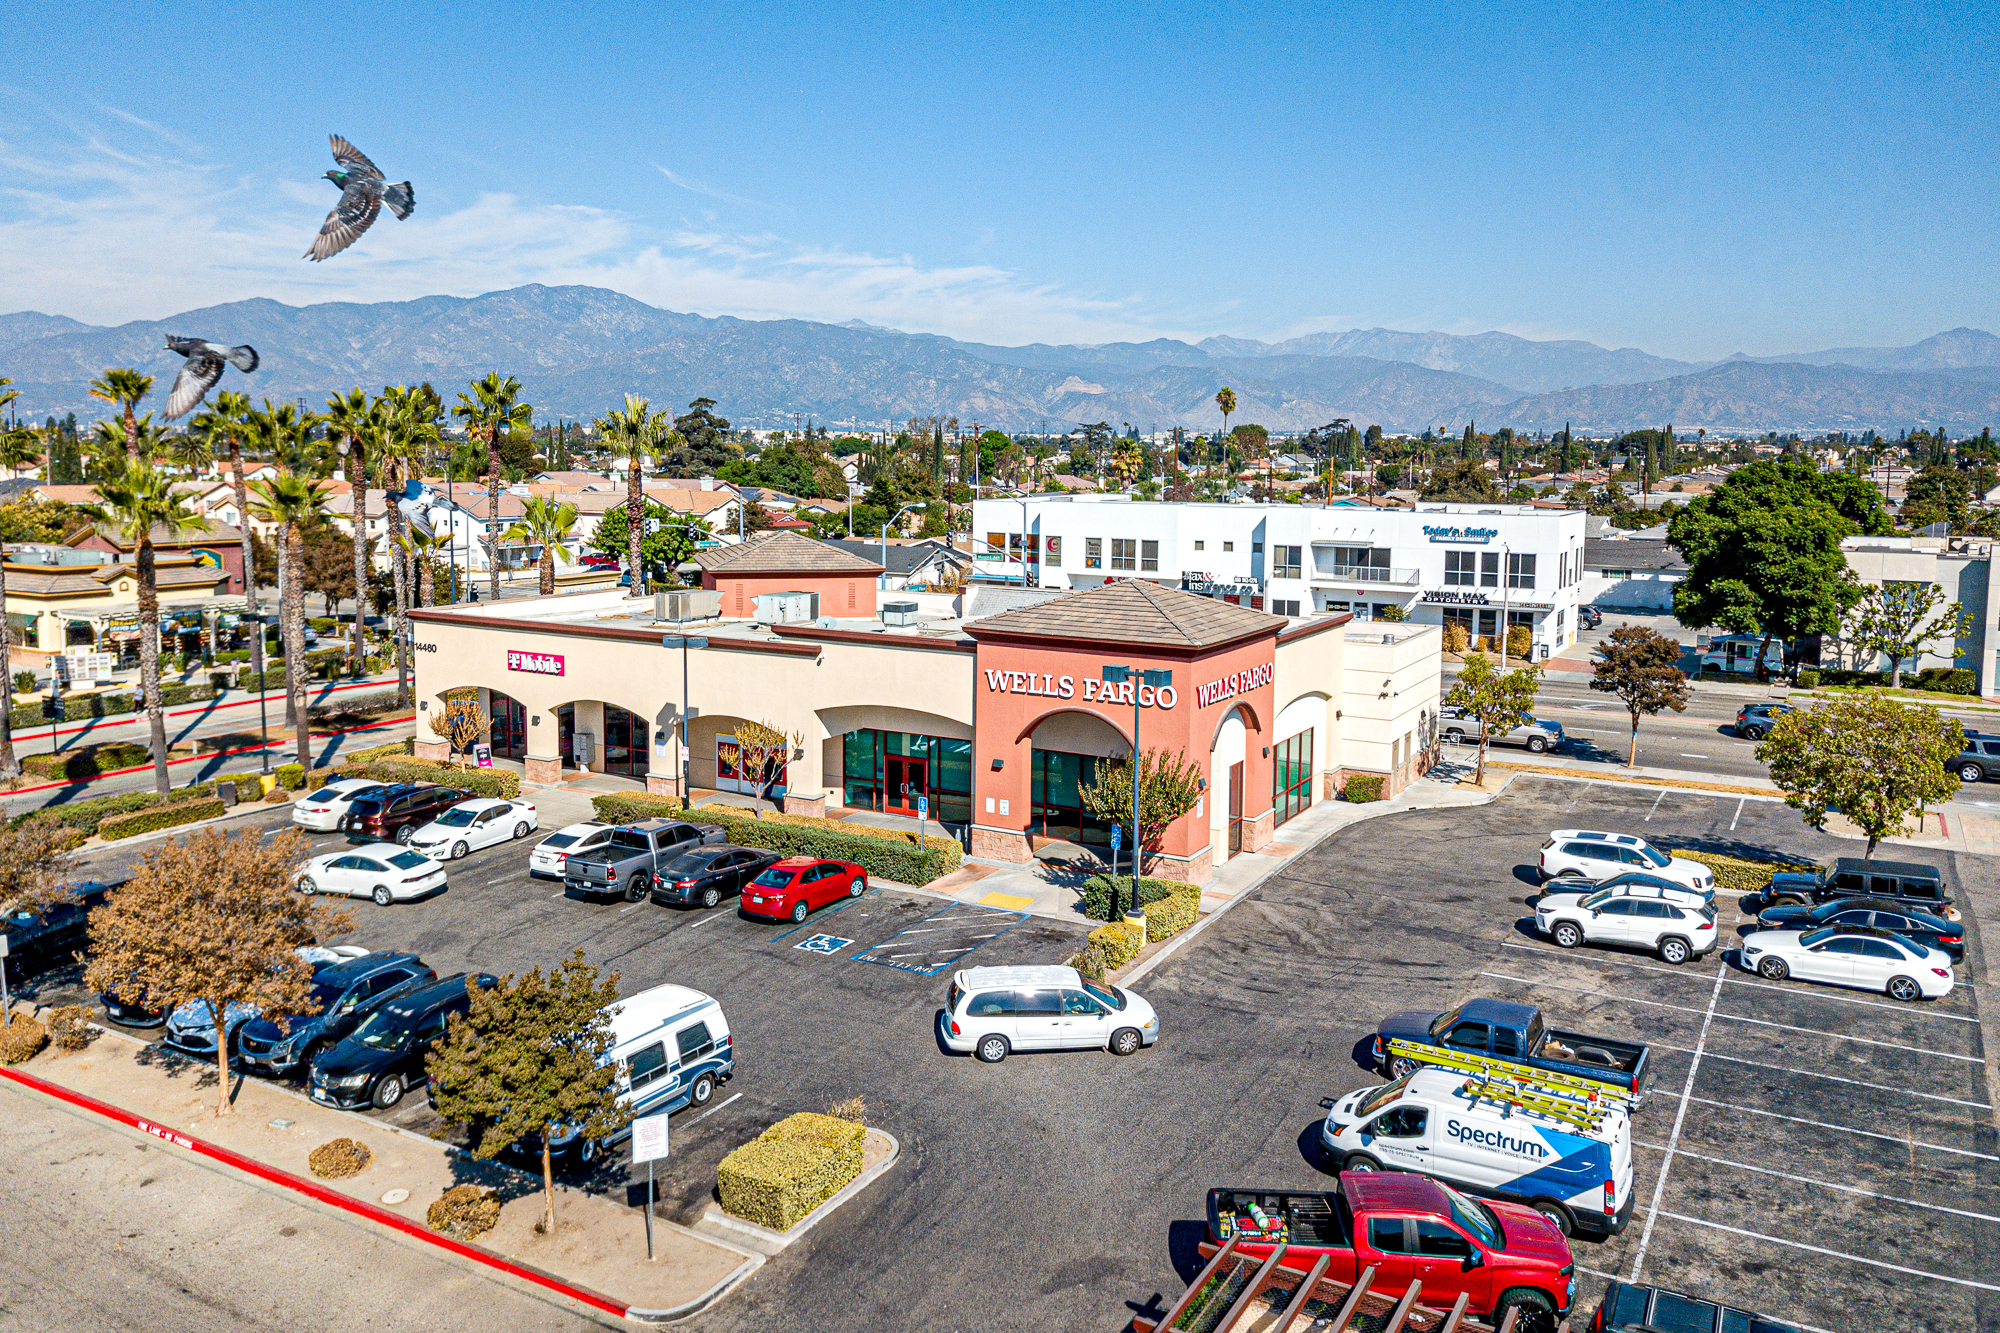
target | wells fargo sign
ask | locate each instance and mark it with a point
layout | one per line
(1000, 681)
(1235, 683)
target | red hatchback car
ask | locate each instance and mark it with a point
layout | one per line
(799, 884)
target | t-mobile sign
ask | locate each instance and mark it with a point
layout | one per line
(541, 664)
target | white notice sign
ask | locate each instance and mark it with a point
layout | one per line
(649, 1139)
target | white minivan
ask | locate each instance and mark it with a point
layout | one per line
(992, 1011)
(1577, 1172)
(672, 1046)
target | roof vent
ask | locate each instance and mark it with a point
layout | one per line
(899, 614)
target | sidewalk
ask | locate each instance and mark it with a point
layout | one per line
(599, 1246)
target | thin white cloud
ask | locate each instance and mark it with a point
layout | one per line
(97, 223)
(696, 187)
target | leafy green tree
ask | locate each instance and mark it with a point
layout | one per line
(1462, 479)
(1939, 493)
(1899, 620)
(660, 551)
(704, 442)
(528, 1061)
(1501, 701)
(1763, 550)
(1872, 758)
(1642, 667)
(1169, 786)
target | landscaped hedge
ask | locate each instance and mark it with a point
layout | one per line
(789, 1170)
(87, 761)
(497, 782)
(1736, 874)
(393, 750)
(107, 704)
(159, 817)
(884, 853)
(1171, 905)
(290, 776)
(86, 815)
(1362, 787)
(1108, 948)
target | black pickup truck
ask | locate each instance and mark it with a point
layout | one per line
(1907, 882)
(1514, 1033)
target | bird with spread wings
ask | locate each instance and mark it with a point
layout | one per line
(203, 369)
(363, 191)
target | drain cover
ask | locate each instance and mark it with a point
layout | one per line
(394, 1197)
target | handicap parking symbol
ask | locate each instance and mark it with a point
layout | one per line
(826, 944)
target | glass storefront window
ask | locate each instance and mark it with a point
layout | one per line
(1291, 775)
(1058, 803)
(943, 773)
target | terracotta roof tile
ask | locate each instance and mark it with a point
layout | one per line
(1133, 611)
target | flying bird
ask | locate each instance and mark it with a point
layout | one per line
(362, 194)
(203, 369)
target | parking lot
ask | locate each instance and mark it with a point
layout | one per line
(1825, 1156)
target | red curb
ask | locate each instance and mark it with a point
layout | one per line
(213, 754)
(117, 719)
(313, 1190)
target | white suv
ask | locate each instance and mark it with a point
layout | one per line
(1674, 923)
(993, 1011)
(1572, 852)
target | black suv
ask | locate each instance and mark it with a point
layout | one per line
(397, 811)
(1904, 883)
(1589, 617)
(44, 939)
(1933, 932)
(1979, 760)
(1629, 1307)
(343, 995)
(384, 1056)
(1753, 721)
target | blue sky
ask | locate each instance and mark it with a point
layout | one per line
(1693, 179)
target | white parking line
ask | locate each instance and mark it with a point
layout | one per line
(1738, 815)
(1825, 1184)
(712, 1110)
(1674, 1136)
(1686, 754)
(1846, 1129)
(1741, 1018)
(1832, 1254)
(1770, 1068)
(704, 921)
(1656, 804)
(1732, 979)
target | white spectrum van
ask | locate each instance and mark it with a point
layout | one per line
(1576, 1170)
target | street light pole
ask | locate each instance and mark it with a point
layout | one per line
(263, 720)
(1138, 679)
(1506, 599)
(681, 751)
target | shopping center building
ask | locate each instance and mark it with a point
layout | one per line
(1474, 565)
(991, 707)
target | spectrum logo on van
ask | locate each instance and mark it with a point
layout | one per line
(1487, 1138)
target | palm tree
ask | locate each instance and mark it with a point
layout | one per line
(1225, 398)
(424, 549)
(292, 502)
(409, 429)
(224, 425)
(124, 387)
(140, 504)
(488, 410)
(544, 523)
(17, 448)
(636, 429)
(353, 417)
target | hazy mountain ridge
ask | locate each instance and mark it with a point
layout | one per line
(578, 350)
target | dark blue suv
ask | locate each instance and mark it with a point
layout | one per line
(345, 994)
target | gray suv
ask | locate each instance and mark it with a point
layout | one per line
(1457, 725)
(1979, 760)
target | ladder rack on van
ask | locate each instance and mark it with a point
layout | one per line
(1574, 1090)
(1557, 1106)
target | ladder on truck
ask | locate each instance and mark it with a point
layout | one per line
(1574, 1089)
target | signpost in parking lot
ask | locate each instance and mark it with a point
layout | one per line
(649, 1144)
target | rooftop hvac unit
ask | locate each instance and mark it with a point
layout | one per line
(787, 608)
(687, 604)
(899, 614)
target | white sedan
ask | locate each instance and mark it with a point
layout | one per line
(1590, 854)
(1861, 956)
(379, 870)
(552, 852)
(322, 811)
(470, 825)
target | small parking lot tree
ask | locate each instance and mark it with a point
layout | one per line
(1641, 666)
(1169, 786)
(460, 722)
(1871, 758)
(1501, 701)
(215, 919)
(763, 752)
(527, 1061)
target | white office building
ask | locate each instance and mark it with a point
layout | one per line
(1475, 565)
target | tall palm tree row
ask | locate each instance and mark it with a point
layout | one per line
(139, 505)
(292, 502)
(409, 429)
(123, 387)
(636, 429)
(221, 431)
(356, 420)
(544, 523)
(282, 433)
(493, 407)
(13, 444)
(423, 550)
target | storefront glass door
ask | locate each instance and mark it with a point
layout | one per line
(510, 727)
(907, 783)
(626, 744)
(1235, 808)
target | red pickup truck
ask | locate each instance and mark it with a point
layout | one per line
(1410, 1228)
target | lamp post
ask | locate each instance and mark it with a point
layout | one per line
(1506, 599)
(263, 720)
(1138, 678)
(683, 642)
(913, 505)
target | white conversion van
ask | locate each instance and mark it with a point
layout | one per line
(672, 1046)
(1572, 1163)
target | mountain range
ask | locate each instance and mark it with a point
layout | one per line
(578, 350)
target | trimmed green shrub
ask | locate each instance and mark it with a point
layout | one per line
(20, 1039)
(1119, 942)
(884, 853)
(1362, 787)
(173, 695)
(1171, 905)
(1944, 680)
(159, 817)
(1808, 679)
(1735, 874)
(393, 750)
(496, 782)
(790, 1169)
(25, 682)
(85, 815)
(86, 762)
(321, 624)
(290, 776)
